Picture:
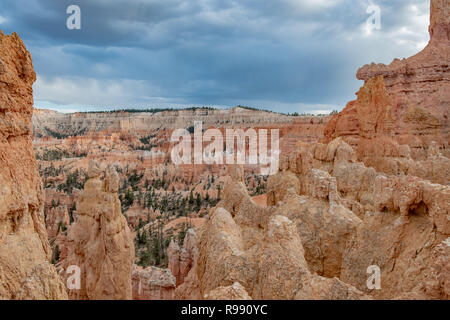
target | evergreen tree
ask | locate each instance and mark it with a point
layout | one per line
(191, 198)
(55, 256)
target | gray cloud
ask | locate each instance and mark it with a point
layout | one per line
(284, 55)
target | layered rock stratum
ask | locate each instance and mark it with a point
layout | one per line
(406, 103)
(25, 271)
(76, 123)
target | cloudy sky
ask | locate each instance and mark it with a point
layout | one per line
(282, 55)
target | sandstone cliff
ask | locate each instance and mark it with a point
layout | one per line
(79, 123)
(407, 101)
(100, 242)
(25, 271)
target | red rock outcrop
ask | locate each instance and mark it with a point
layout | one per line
(100, 242)
(404, 106)
(25, 271)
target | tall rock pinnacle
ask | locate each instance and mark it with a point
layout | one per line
(440, 20)
(100, 242)
(25, 271)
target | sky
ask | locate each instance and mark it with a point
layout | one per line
(281, 55)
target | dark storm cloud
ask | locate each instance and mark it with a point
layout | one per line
(285, 55)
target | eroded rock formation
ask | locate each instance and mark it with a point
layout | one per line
(57, 220)
(25, 271)
(100, 242)
(403, 108)
(76, 123)
(326, 222)
(374, 193)
(182, 258)
(257, 252)
(152, 284)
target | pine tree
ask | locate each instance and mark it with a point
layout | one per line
(191, 198)
(55, 256)
(218, 191)
(198, 201)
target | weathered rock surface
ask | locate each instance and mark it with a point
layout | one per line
(100, 242)
(321, 231)
(189, 289)
(76, 123)
(401, 219)
(152, 284)
(25, 271)
(374, 192)
(181, 259)
(257, 252)
(233, 292)
(399, 128)
(403, 110)
(57, 220)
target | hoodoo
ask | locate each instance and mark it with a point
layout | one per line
(100, 241)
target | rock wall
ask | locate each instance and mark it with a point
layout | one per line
(77, 123)
(25, 271)
(407, 101)
(100, 242)
(328, 218)
(247, 251)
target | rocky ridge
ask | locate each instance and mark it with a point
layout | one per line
(79, 123)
